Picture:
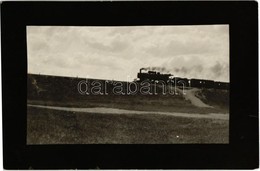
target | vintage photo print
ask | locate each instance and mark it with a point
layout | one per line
(128, 84)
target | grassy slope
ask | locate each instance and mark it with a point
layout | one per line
(46, 126)
(62, 91)
(54, 127)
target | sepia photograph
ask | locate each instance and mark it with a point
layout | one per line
(128, 84)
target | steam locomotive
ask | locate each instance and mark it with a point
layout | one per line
(154, 76)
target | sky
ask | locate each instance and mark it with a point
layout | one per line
(117, 53)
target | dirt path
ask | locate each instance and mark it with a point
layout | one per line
(191, 96)
(104, 110)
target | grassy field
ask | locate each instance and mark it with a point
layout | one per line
(45, 126)
(142, 103)
(48, 126)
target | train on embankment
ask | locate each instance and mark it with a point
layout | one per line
(154, 76)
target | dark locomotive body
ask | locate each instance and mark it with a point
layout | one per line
(153, 76)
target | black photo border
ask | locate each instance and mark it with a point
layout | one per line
(240, 153)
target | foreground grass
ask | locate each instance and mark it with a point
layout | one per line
(45, 126)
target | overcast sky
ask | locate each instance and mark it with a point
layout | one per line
(119, 52)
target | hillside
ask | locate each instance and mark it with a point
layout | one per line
(63, 91)
(58, 114)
